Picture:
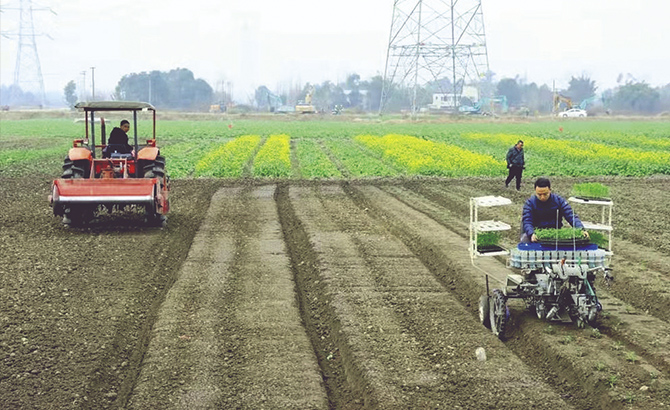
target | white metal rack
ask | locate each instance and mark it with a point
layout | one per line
(605, 223)
(477, 226)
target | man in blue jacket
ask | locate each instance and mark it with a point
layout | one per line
(546, 210)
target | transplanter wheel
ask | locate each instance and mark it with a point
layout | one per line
(499, 314)
(484, 311)
(541, 310)
(593, 316)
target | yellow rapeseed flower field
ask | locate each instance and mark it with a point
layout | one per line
(423, 157)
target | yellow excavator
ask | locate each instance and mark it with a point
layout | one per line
(306, 107)
(559, 100)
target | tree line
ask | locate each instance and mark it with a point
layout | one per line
(178, 89)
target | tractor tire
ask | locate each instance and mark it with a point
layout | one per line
(152, 216)
(499, 314)
(156, 168)
(75, 169)
(484, 309)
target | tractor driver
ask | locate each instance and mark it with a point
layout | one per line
(546, 210)
(118, 140)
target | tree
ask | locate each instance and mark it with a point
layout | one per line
(353, 86)
(70, 92)
(374, 88)
(510, 89)
(176, 89)
(664, 94)
(581, 88)
(636, 97)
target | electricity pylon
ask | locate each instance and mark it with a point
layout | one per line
(437, 42)
(27, 70)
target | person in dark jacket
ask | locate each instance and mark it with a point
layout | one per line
(118, 140)
(515, 164)
(546, 210)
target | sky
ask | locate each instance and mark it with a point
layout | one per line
(247, 43)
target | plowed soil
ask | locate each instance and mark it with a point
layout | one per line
(324, 295)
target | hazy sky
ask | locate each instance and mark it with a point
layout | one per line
(275, 42)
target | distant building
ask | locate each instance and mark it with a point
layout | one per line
(445, 101)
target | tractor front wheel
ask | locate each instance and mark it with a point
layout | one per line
(75, 169)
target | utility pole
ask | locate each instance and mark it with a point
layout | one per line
(93, 82)
(83, 86)
(27, 72)
(436, 44)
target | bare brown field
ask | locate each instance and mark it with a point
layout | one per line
(315, 295)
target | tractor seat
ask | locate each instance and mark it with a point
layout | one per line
(114, 150)
(118, 155)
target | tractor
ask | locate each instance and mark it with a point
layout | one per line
(99, 178)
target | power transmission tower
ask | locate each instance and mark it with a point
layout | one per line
(436, 42)
(27, 71)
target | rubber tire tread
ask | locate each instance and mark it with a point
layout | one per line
(498, 315)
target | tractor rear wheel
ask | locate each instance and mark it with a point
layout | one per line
(152, 216)
(155, 168)
(499, 314)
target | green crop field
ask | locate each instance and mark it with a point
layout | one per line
(314, 149)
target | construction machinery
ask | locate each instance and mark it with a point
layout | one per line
(587, 102)
(486, 106)
(555, 278)
(305, 106)
(93, 183)
(561, 102)
(217, 108)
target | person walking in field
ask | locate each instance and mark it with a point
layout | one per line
(515, 164)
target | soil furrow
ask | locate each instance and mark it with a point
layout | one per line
(413, 343)
(426, 238)
(648, 337)
(229, 332)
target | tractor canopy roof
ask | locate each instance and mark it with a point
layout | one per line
(114, 106)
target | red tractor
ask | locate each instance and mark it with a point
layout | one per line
(92, 183)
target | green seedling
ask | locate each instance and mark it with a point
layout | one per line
(567, 339)
(591, 190)
(558, 234)
(486, 239)
(600, 366)
(612, 380)
(631, 357)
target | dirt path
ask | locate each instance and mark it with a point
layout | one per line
(229, 333)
